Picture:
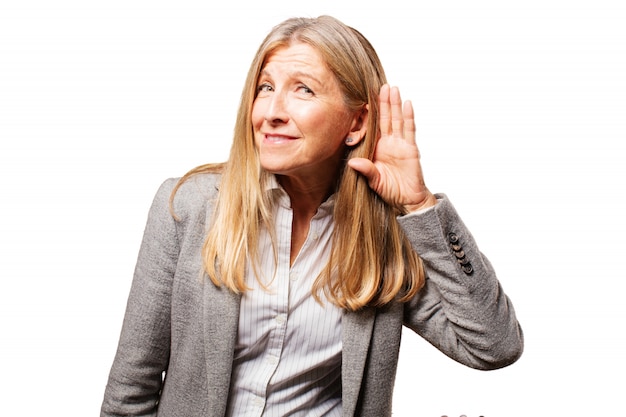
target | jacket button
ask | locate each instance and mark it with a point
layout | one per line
(467, 269)
(459, 253)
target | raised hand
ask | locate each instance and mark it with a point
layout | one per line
(395, 173)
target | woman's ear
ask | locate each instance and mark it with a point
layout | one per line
(359, 127)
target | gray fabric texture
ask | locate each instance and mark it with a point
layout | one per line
(179, 324)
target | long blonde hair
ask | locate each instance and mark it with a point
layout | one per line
(371, 261)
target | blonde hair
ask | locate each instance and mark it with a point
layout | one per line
(371, 261)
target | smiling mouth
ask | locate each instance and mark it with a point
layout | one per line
(278, 138)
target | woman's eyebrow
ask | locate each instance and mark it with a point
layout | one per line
(294, 74)
(307, 75)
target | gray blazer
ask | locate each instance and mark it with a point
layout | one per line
(177, 341)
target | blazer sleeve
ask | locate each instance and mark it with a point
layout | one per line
(142, 356)
(462, 310)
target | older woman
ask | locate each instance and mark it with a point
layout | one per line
(278, 282)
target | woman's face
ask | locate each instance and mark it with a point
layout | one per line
(299, 117)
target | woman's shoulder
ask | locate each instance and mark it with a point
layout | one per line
(191, 194)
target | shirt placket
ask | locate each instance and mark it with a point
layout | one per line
(279, 306)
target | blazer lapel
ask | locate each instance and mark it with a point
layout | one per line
(221, 317)
(357, 331)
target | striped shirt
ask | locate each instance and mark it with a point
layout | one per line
(288, 354)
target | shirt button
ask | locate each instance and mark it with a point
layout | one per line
(280, 319)
(258, 401)
(272, 360)
(293, 276)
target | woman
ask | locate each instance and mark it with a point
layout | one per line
(278, 282)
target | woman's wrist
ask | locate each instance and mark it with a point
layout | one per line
(428, 202)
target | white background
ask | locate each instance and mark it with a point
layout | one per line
(520, 107)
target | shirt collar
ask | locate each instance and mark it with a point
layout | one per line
(274, 188)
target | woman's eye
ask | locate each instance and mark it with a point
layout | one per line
(305, 89)
(264, 88)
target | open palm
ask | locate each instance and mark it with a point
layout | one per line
(395, 173)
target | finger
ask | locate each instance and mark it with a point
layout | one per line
(366, 168)
(397, 121)
(385, 111)
(409, 121)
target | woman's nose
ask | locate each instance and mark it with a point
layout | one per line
(276, 111)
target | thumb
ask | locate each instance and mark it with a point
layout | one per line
(366, 168)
